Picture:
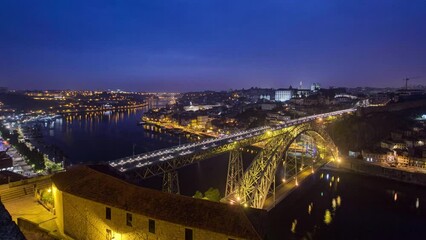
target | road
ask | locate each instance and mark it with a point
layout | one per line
(283, 190)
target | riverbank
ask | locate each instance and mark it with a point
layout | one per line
(406, 175)
(173, 128)
(176, 127)
(28, 160)
(103, 109)
(32, 156)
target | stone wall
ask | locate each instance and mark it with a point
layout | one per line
(33, 231)
(86, 219)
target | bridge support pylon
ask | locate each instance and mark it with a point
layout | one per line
(171, 182)
(235, 171)
(290, 166)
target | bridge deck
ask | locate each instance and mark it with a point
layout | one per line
(283, 190)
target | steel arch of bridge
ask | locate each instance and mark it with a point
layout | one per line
(257, 180)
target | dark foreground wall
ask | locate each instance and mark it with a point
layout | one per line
(8, 229)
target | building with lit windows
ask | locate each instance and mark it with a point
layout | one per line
(91, 204)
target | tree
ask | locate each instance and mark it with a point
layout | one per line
(198, 194)
(212, 194)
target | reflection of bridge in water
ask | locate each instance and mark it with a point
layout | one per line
(253, 186)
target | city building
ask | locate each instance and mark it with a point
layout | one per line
(315, 87)
(202, 121)
(9, 176)
(195, 108)
(6, 162)
(393, 144)
(282, 95)
(379, 156)
(90, 204)
(276, 118)
(266, 97)
(303, 92)
(267, 106)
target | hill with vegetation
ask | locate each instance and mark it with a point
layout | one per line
(363, 132)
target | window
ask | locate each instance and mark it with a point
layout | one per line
(129, 219)
(188, 234)
(151, 225)
(108, 213)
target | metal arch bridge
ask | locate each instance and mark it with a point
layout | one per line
(249, 188)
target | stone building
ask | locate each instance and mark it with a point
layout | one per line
(379, 156)
(91, 204)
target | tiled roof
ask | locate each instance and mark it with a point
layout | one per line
(8, 176)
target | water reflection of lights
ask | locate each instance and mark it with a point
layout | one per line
(327, 176)
(327, 217)
(293, 226)
(395, 196)
(339, 201)
(310, 206)
(417, 203)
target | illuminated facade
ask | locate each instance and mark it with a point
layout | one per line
(282, 95)
(94, 205)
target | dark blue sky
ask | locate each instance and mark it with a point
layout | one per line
(200, 44)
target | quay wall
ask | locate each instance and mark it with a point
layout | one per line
(393, 173)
